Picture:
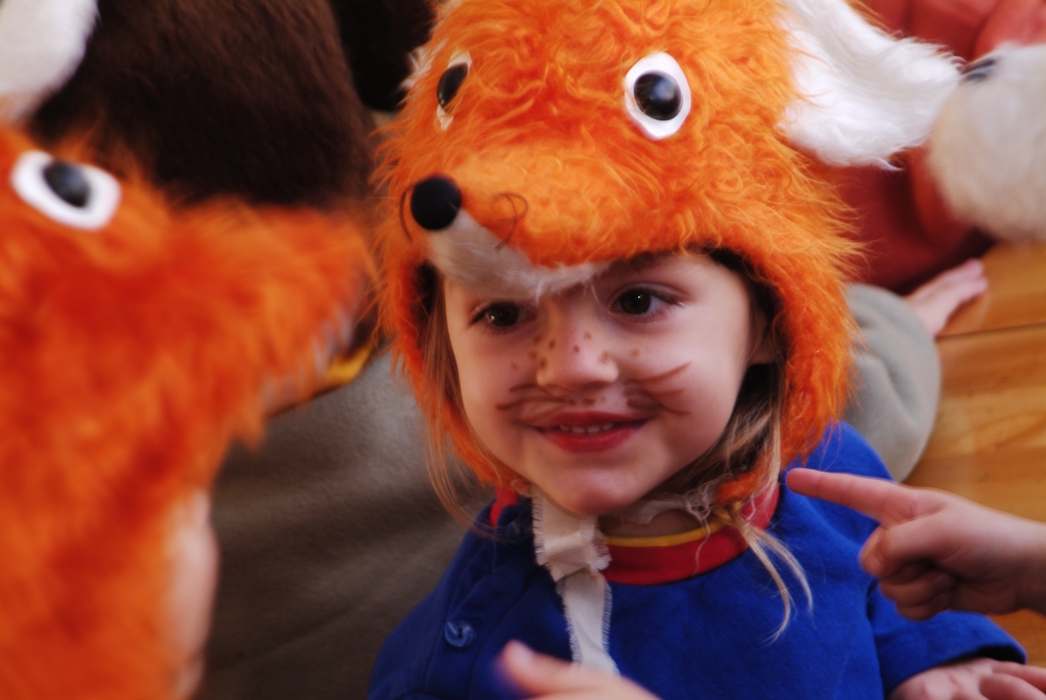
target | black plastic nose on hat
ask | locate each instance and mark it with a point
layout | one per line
(435, 202)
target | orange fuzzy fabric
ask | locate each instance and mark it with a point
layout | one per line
(541, 118)
(129, 357)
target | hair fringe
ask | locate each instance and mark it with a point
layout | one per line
(763, 544)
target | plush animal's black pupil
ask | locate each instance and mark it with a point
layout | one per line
(450, 82)
(502, 315)
(658, 96)
(634, 302)
(68, 182)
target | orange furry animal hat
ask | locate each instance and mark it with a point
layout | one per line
(543, 139)
(134, 345)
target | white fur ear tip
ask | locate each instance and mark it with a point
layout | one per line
(863, 95)
(987, 152)
(883, 165)
(41, 45)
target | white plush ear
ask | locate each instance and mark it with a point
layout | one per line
(41, 44)
(987, 152)
(865, 94)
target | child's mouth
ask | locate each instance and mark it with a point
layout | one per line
(590, 437)
(585, 429)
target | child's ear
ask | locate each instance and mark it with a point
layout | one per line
(762, 350)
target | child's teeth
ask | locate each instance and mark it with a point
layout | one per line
(582, 429)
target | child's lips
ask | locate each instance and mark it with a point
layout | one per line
(589, 432)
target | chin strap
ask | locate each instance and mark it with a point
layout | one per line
(574, 551)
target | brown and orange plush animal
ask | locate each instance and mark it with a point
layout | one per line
(135, 344)
(254, 99)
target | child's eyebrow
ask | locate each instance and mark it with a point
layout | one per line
(639, 263)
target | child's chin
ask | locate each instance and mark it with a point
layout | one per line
(596, 504)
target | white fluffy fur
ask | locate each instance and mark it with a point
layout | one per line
(41, 44)
(472, 256)
(866, 95)
(988, 149)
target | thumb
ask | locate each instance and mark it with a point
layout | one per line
(874, 559)
(536, 675)
(533, 673)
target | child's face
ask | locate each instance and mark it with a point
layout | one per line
(598, 395)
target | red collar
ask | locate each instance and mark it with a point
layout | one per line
(646, 561)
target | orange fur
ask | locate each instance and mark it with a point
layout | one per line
(540, 117)
(129, 358)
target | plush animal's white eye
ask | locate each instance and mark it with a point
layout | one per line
(657, 96)
(73, 194)
(449, 84)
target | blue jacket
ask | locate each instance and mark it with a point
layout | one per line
(709, 636)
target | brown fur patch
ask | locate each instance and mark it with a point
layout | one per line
(252, 99)
(378, 38)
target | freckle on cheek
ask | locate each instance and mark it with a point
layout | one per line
(551, 343)
(514, 366)
(544, 363)
(588, 336)
(537, 339)
(634, 352)
(577, 348)
(532, 355)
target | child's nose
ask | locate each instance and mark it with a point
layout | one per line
(574, 355)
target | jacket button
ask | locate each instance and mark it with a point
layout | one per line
(459, 634)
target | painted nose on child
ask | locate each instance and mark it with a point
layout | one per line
(574, 349)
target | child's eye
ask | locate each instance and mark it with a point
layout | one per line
(639, 302)
(635, 301)
(501, 315)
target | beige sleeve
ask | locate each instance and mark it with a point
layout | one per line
(329, 534)
(898, 378)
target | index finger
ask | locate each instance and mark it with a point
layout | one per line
(879, 499)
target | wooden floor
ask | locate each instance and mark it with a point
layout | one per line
(989, 443)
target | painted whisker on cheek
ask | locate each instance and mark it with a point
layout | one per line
(557, 403)
(644, 404)
(642, 391)
(649, 403)
(659, 377)
(535, 394)
(645, 393)
(538, 413)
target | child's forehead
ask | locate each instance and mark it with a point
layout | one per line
(651, 261)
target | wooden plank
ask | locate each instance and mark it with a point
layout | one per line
(1016, 293)
(1029, 629)
(1011, 480)
(993, 394)
(989, 442)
